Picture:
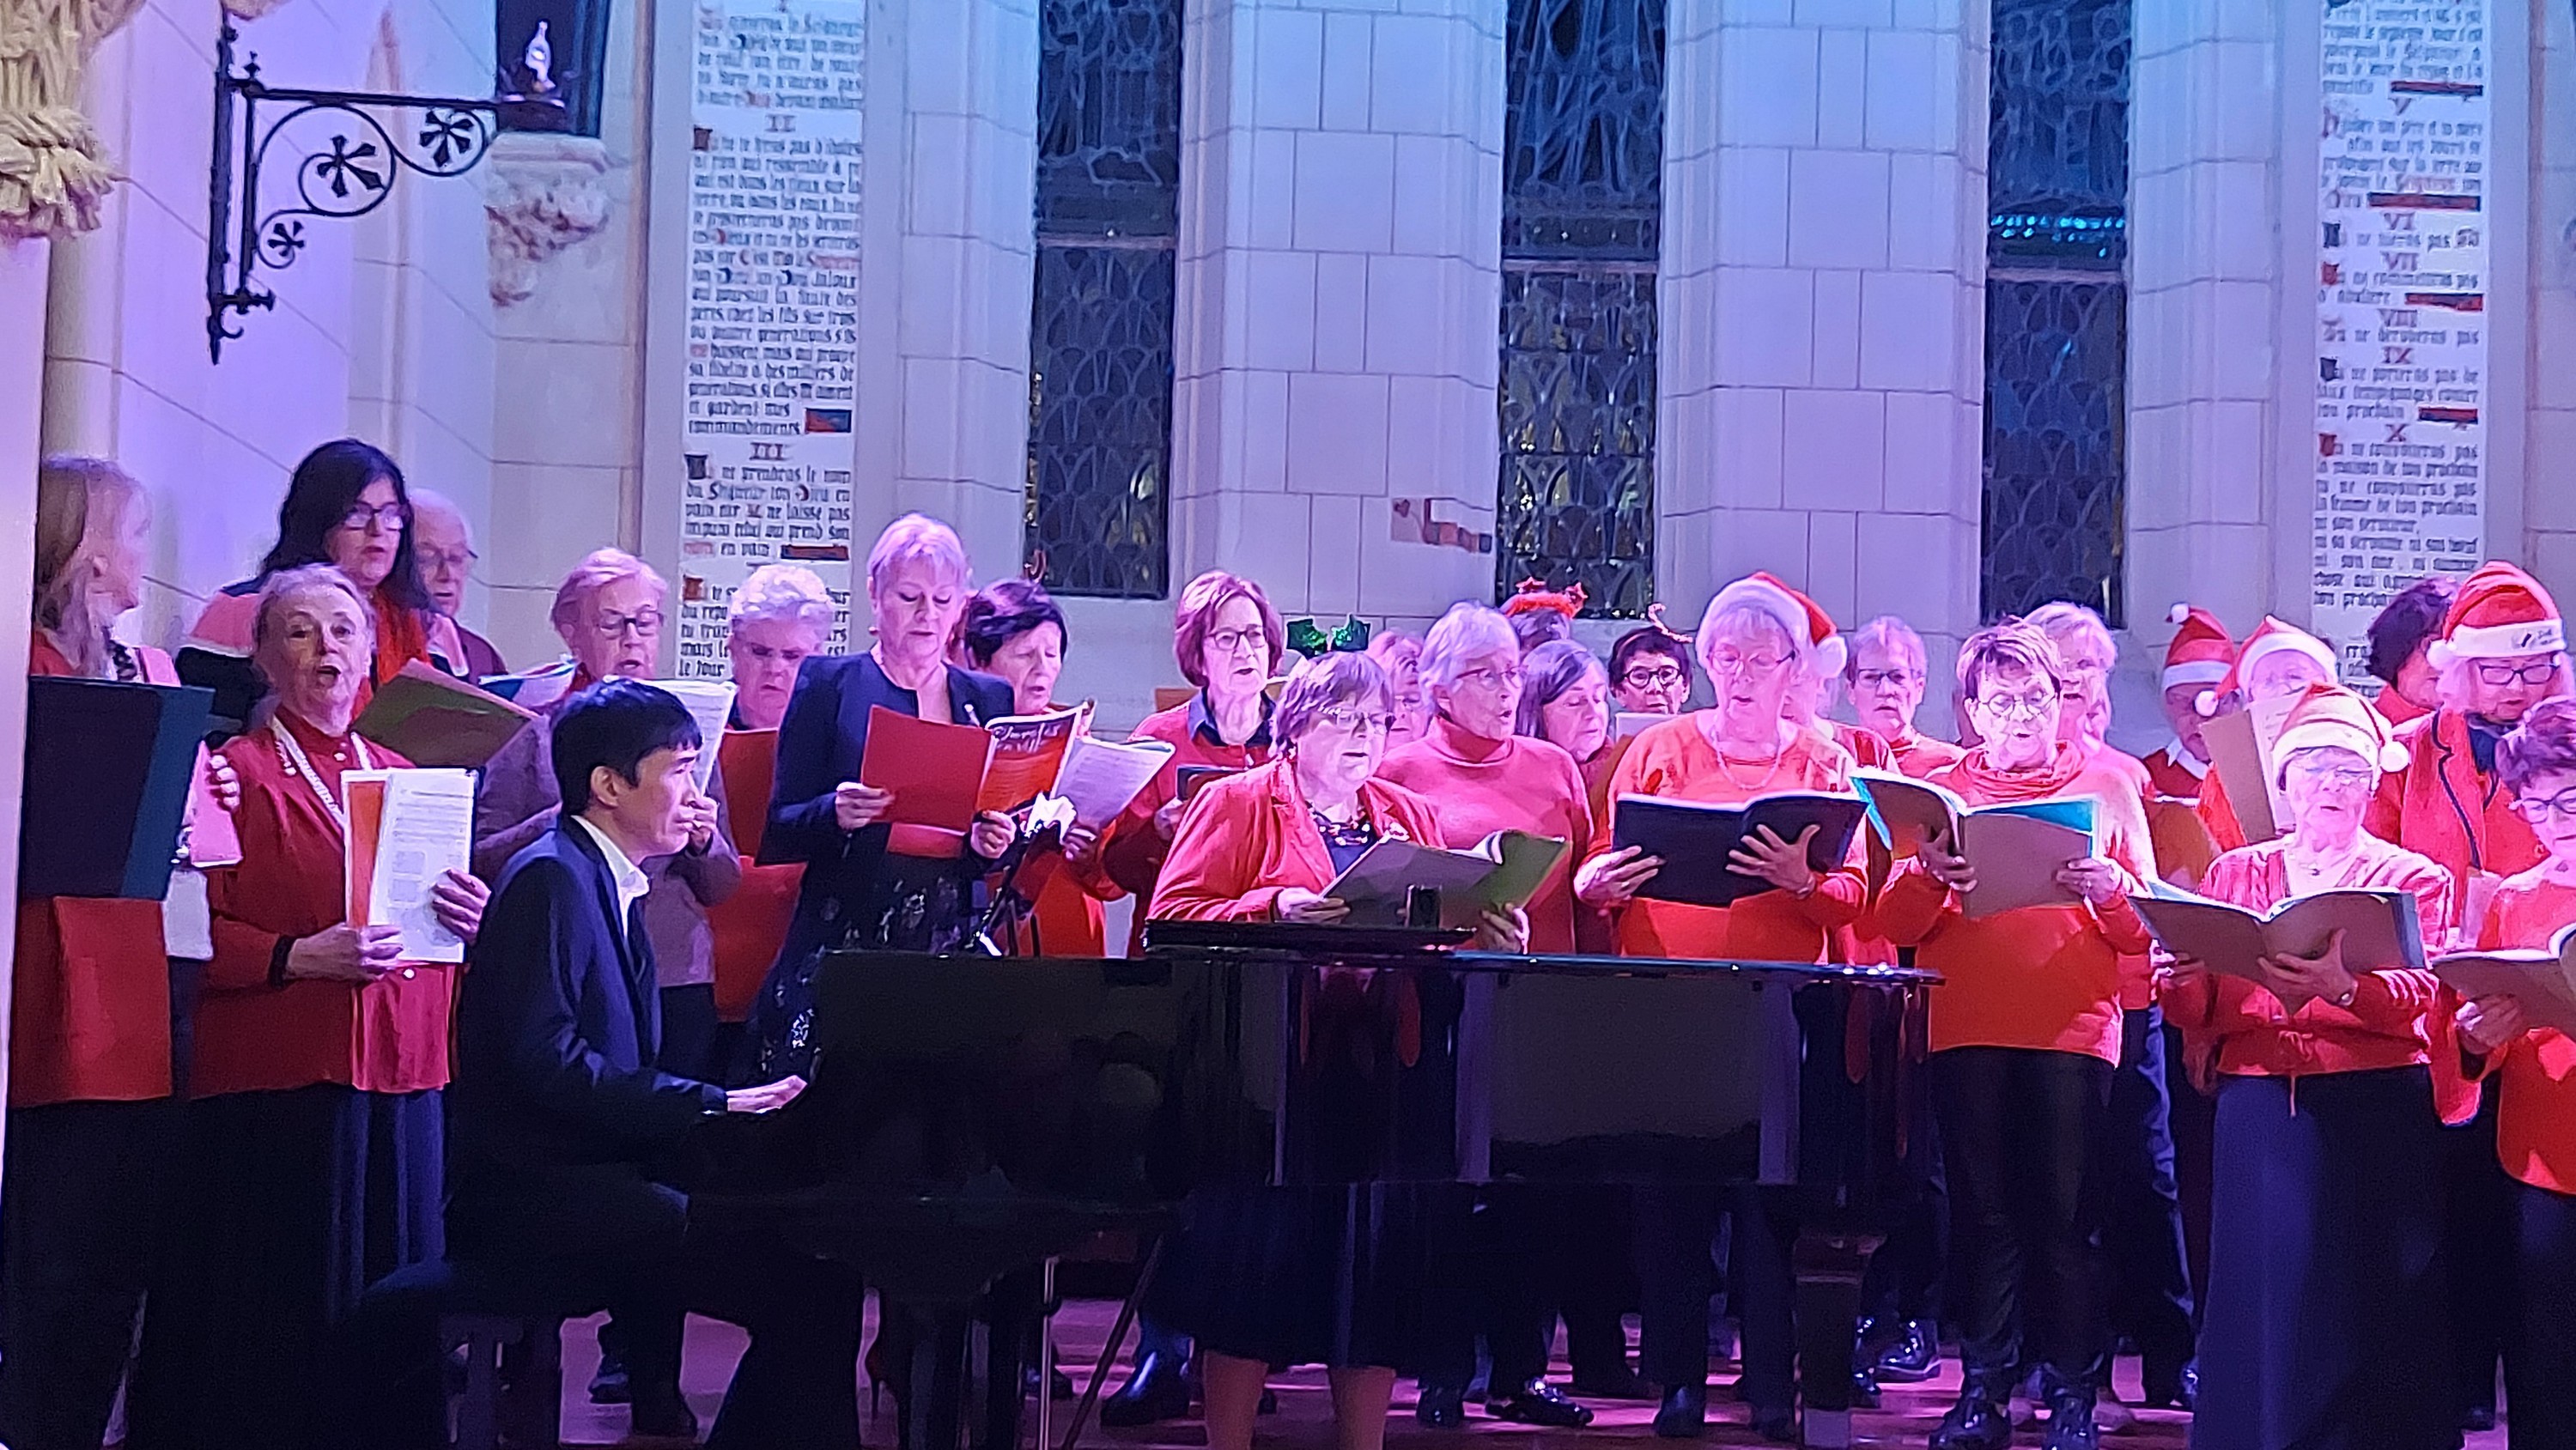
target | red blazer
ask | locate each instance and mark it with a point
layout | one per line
(2247, 1030)
(2439, 806)
(1131, 853)
(2536, 1075)
(89, 1011)
(387, 1036)
(1246, 838)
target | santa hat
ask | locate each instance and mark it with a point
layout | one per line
(2333, 715)
(2201, 652)
(2269, 638)
(2499, 612)
(1809, 626)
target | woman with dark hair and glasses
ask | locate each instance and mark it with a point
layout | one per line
(346, 506)
(1015, 630)
(2400, 639)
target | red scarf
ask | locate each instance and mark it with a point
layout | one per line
(401, 637)
(2038, 782)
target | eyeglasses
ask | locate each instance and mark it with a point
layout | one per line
(393, 518)
(1351, 720)
(2536, 811)
(646, 623)
(2016, 707)
(2341, 777)
(2538, 672)
(446, 558)
(1884, 679)
(1660, 678)
(1229, 641)
(1492, 677)
(1728, 662)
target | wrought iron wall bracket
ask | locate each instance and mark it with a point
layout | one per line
(372, 139)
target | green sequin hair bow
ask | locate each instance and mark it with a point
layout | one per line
(1307, 637)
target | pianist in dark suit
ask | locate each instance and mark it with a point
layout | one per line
(562, 1123)
(870, 885)
(1267, 1277)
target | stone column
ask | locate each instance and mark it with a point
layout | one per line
(22, 391)
(1337, 333)
(1822, 291)
(2207, 182)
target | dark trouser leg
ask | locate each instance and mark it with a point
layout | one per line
(688, 1050)
(1520, 1313)
(77, 1229)
(2142, 1228)
(796, 1387)
(1454, 1275)
(1765, 1291)
(1904, 1281)
(2540, 1365)
(2193, 1118)
(2478, 1215)
(1595, 1279)
(1971, 1089)
(2058, 1100)
(1675, 1276)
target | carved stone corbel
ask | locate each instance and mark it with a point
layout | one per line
(54, 174)
(548, 192)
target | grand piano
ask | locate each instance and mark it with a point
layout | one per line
(971, 1116)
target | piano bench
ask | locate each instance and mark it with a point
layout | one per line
(513, 1380)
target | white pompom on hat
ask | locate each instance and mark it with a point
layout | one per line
(1808, 625)
(2201, 652)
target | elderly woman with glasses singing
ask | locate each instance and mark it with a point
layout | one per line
(2322, 1325)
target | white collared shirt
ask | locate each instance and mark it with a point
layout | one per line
(632, 883)
(2193, 765)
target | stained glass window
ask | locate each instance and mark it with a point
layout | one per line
(2057, 307)
(1100, 330)
(1583, 155)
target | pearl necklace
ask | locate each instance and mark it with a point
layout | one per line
(291, 751)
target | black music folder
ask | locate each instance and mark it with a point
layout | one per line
(1695, 840)
(109, 770)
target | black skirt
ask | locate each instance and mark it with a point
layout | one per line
(289, 1205)
(1289, 1276)
(908, 904)
(2326, 1323)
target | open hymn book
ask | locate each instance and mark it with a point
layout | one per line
(2381, 931)
(1696, 841)
(943, 775)
(2016, 849)
(1503, 870)
(2542, 979)
(407, 828)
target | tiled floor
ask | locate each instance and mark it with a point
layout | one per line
(1305, 1418)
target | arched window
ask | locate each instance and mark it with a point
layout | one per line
(553, 55)
(2057, 307)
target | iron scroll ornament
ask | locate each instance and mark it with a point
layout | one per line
(373, 138)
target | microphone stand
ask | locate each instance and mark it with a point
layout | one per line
(1008, 902)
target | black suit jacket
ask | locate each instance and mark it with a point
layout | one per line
(559, 1025)
(821, 740)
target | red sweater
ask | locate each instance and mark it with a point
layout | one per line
(1918, 755)
(2247, 1028)
(1132, 852)
(1675, 760)
(2046, 978)
(89, 1010)
(1246, 838)
(2536, 1117)
(1514, 784)
(387, 1036)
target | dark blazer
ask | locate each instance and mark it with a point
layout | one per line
(820, 742)
(559, 1024)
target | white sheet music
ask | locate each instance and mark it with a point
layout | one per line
(710, 703)
(428, 831)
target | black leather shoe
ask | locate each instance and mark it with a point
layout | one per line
(1684, 1413)
(1864, 1390)
(1154, 1393)
(1776, 1425)
(662, 1416)
(1539, 1403)
(2174, 1389)
(1440, 1407)
(1269, 1402)
(1978, 1421)
(1621, 1383)
(608, 1386)
(1913, 1358)
(2478, 1419)
(2070, 1418)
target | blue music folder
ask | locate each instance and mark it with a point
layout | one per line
(109, 770)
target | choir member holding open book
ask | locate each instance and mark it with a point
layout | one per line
(313, 1165)
(2276, 662)
(2534, 1069)
(2025, 1032)
(2325, 1316)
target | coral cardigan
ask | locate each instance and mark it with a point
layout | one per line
(89, 1014)
(2440, 806)
(1248, 837)
(2536, 1115)
(2045, 978)
(2246, 1027)
(1131, 852)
